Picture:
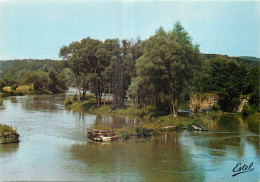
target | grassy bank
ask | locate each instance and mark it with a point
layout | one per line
(89, 105)
(156, 126)
(8, 134)
(154, 122)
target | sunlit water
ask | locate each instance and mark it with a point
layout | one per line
(54, 146)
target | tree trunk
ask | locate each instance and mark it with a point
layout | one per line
(174, 107)
(104, 97)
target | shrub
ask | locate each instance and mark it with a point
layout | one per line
(89, 104)
(145, 130)
(215, 107)
(67, 102)
(6, 129)
(75, 98)
(126, 135)
(247, 110)
(125, 132)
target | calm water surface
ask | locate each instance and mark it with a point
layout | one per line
(54, 146)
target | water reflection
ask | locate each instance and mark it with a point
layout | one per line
(44, 103)
(7, 149)
(110, 121)
(14, 99)
(161, 158)
(116, 121)
(222, 122)
(54, 142)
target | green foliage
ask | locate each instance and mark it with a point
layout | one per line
(227, 78)
(68, 102)
(74, 98)
(39, 79)
(89, 104)
(247, 110)
(101, 127)
(44, 76)
(215, 107)
(165, 71)
(6, 129)
(14, 66)
(169, 120)
(126, 133)
(146, 130)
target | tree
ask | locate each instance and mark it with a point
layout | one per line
(227, 78)
(82, 60)
(113, 70)
(39, 79)
(168, 65)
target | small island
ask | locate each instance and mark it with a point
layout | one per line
(8, 135)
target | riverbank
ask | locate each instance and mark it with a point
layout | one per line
(8, 135)
(154, 122)
(25, 90)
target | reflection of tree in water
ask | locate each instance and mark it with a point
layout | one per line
(14, 99)
(162, 158)
(227, 133)
(115, 121)
(80, 116)
(8, 148)
(222, 122)
(45, 103)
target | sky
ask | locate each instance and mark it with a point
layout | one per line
(37, 29)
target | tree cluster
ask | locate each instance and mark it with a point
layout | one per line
(158, 71)
(102, 67)
(41, 75)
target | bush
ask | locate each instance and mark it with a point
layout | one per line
(145, 130)
(215, 107)
(74, 98)
(89, 104)
(247, 110)
(67, 102)
(126, 135)
(6, 129)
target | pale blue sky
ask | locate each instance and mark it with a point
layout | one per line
(39, 28)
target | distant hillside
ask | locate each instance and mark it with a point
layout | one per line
(6, 64)
(12, 66)
(250, 58)
(245, 60)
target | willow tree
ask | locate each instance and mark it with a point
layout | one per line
(168, 64)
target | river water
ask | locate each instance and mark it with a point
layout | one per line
(54, 146)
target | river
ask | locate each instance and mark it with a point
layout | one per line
(54, 146)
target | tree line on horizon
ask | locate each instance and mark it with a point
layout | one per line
(163, 70)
